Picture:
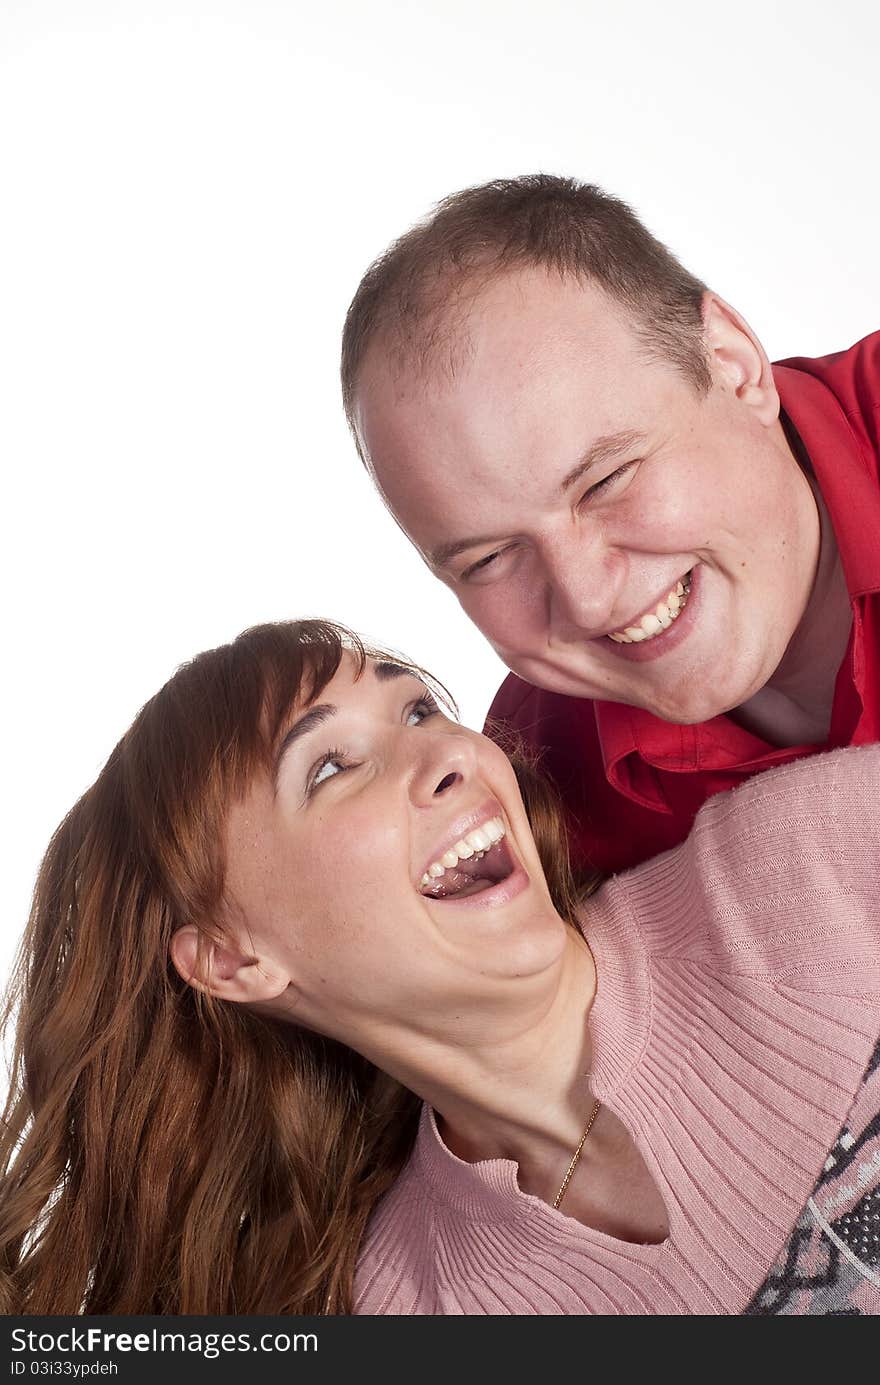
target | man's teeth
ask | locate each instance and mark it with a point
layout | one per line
(662, 616)
(474, 844)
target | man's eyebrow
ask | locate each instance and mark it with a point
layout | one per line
(604, 449)
(439, 557)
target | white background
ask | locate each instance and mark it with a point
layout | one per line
(189, 196)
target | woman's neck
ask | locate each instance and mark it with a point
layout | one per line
(520, 1089)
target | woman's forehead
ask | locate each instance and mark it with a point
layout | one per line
(355, 680)
(352, 676)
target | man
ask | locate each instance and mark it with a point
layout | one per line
(674, 546)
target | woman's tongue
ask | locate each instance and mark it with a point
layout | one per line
(471, 875)
(468, 877)
(456, 882)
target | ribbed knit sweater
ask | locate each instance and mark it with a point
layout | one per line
(735, 1034)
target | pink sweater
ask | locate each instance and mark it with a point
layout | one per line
(735, 1033)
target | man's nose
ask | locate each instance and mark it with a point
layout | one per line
(582, 582)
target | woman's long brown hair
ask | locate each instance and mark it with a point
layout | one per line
(162, 1152)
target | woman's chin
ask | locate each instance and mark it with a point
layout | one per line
(529, 944)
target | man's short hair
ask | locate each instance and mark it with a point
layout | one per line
(414, 296)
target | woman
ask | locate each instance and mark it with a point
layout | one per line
(294, 858)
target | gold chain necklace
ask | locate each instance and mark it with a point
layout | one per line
(577, 1154)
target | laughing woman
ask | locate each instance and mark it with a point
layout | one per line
(311, 1019)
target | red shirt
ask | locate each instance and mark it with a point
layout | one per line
(633, 783)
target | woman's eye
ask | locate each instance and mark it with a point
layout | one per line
(425, 707)
(332, 763)
(336, 761)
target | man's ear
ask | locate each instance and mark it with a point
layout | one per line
(737, 359)
(223, 970)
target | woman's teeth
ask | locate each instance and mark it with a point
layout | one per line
(658, 620)
(474, 845)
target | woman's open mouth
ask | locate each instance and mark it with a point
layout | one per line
(474, 864)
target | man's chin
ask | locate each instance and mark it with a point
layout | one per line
(683, 706)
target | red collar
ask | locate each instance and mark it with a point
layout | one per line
(847, 475)
(846, 472)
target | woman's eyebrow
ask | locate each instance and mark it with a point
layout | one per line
(317, 715)
(386, 670)
(311, 719)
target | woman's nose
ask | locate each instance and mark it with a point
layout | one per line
(447, 782)
(446, 763)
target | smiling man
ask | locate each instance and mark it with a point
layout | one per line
(673, 545)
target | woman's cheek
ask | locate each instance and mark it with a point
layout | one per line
(358, 851)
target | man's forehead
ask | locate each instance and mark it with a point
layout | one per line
(429, 349)
(516, 369)
(546, 424)
(531, 413)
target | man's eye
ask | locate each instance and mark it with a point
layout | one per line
(479, 565)
(607, 481)
(483, 564)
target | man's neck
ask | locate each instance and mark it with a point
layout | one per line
(794, 706)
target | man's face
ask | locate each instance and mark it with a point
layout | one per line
(612, 532)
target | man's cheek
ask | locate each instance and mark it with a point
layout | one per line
(671, 519)
(499, 623)
(509, 614)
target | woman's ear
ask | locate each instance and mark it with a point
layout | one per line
(221, 969)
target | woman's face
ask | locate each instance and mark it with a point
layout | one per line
(336, 865)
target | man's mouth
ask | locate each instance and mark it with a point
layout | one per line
(659, 618)
(479, 860)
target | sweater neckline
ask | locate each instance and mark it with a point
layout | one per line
(487, 1191)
